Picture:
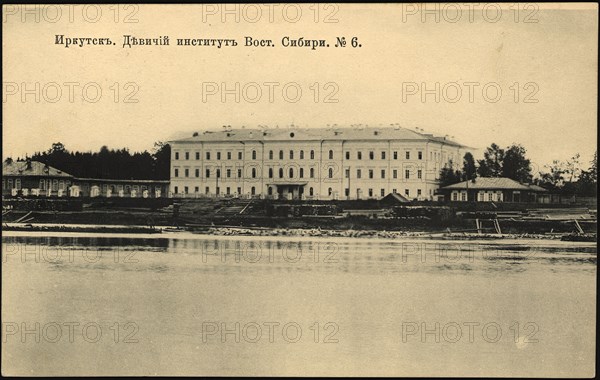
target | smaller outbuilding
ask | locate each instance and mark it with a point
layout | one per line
(495, 189)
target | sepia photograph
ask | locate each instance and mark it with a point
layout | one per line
(313, 189)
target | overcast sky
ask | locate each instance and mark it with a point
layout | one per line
(546, 70)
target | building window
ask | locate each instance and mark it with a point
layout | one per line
(330, 172)
(207, 173)
(358, 173)
(420, 155)
(253, 190)
(407, 174)
(228, 173)
(383, 192)
(270, 155)
(270, 172)
(407, 155)
(383, 155)
(228, 190)
(371, 155)
(301, 172)
(240, 155)
(177, 155)
(454, 196)
(311, 192)
(370, 192)
(239, 190)
(407, 192)
(229, 155)
(463, 196)
(239, 172)
(291, 172)
(196, 189)
(207, 190)
(359, 155)
(347, 155)
(418, 192)
(197, 173)
(197, 155)
(208, 155)
(395, 155)
(218, 156)
(280, 172)
(254, 155)
(371, 173)
(383, 174)
(395, 173)
(186, 190)
(419, 174)
(176, 172)
(347, 173)
(218, 173)
(312, 173)
(176, 190)
(331, 154)
(330, 191)
(281, 154)
(302, 155)
(187, 155)
(187, 173)
(253, 172)
(312, 154)
(217, 190)
(291, 154)
(394, 191)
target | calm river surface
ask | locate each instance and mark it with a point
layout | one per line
(185, 304)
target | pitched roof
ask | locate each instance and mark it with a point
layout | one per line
(31, 168)
(330, 133)
(394, 198)
(493, 183)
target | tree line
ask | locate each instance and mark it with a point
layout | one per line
(562, 177)
(109, 163)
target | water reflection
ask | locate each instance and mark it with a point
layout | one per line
(263, 255)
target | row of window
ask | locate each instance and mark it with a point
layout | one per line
(359, 192)
(56, 184)
(291, 173)
(291, 155)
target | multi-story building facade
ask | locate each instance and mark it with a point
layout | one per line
(303, 163)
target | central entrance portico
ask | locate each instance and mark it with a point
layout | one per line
(287, 190)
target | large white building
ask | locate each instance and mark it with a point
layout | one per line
(307, 163)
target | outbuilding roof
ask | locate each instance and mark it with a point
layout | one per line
(493, 183)
(31, 168)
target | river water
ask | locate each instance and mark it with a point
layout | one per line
(186, 304)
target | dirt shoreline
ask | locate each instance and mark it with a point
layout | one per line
(276, 232)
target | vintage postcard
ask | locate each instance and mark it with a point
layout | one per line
(326, 189)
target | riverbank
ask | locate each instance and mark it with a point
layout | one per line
(289, 232)
(229, 231)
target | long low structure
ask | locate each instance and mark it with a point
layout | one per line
(311, 163)
(33, 178)
(486, 189)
